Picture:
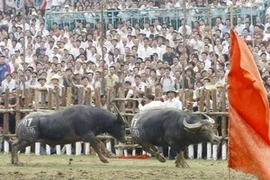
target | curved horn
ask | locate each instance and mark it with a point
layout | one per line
(122, 119)
(211, 120)
(192, 126)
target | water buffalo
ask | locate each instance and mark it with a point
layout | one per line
(75, 123)
(171, 127)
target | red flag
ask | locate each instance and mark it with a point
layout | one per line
(249, 136)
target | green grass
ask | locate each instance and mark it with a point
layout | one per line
(89, 167)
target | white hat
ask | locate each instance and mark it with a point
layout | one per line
(34, 13)
(172, 90)
(56, 76)
(2, 43)
(66, 6)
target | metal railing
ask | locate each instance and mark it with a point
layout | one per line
(136, 16)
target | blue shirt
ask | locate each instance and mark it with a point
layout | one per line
(3, 69)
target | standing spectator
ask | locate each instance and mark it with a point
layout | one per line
(33, 81)
(3, 68)
(169, 55)
(239, 26)
(138, 86)
(8, 83)
(167, 81)
(21, 83)
(189, 79)
(86, 85)
(97, 80)
(56, 86)
(111, 78)
(145, 50)
(128, 90)
(172, 100)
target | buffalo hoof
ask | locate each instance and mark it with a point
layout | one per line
(104, 161)
(182, 164)
(111, 155)
(18, 163)
(161, 158)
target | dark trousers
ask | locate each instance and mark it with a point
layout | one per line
(170, 154)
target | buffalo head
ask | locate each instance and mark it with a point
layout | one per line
(118, 131)
(203, 129)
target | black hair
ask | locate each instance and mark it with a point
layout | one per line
(128, 82)
(150, 97)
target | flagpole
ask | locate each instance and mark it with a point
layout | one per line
(102, 49)
(231, 16)
(211, 35)
(251, 24)
(229, 173)
(231, 19)
(184, 42)
(23, 45)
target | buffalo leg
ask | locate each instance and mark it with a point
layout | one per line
(153, 150)
(180, 160)
(96, 145)
(16, 147)
(105, 150)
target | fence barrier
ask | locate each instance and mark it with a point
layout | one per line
(137, 16)
(211, 102)
(83, 148)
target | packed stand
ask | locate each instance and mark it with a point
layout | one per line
(151, 55)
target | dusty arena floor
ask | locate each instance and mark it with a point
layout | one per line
(89, 167)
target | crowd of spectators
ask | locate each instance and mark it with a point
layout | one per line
(153, 55)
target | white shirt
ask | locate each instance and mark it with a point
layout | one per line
(207, 64)
(141, 86)
(151, 105)
(188, 30)
(174, 103)
(196, 44)
(157, 50)
(74, 51)
(144, 52)
(8, 85)
(239, 29)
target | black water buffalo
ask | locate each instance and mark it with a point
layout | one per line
(171, 127)
(75, 123)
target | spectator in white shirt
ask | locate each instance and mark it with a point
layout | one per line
(144, 51)
(239, 26)
(8, 83)
(173, 101)
(138, 86)
(150, 103)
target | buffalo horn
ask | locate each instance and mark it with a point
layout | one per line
(191, 126)
(209, 118)
(119, 114)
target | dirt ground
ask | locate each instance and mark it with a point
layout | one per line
(89, 167)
